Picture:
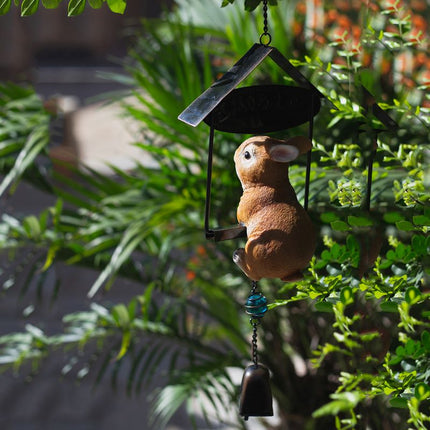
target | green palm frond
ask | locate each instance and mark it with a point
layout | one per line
(24, 133)
(208, 385)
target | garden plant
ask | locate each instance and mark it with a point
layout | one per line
(349, 345)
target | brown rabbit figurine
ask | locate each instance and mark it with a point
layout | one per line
(281, 237)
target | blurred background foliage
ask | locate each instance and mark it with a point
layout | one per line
(349, 345)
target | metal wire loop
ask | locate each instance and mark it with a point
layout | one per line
(268, 41)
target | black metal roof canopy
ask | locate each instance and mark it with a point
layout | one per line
(281, 106)
(251, 110)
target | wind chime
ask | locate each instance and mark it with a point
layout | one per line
(280, 237)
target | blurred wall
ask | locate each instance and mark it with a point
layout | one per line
(95, 33)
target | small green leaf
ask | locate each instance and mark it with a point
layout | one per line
(51, 4)
(399, 402)
(95, 4)
(340, 225)
(346, 296)
(405, 225)
(335, 251)
(326, 255)
(250, 5)
(411, 347)
(117, 6)
(332, 408)
(52, 252)
(29, 7)
(75, 7)
(324, 306)
(422, 391)
(352, 243)
(393, 217)
(343, 402)
(388, 307)
(421, 220)
(125, 343)
(328, 217)
(121, 316)
(425, 340)
(418, 244)
(5, 6)
(32, 227)
(357, 221)
(412, 295)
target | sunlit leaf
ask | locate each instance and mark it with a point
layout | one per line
(5, 6)
(117, 6)
(29, 7)
(75, 7)
(51, 4)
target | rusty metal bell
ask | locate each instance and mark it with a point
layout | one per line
(256, 395)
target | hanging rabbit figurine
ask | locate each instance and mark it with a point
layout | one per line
(281, 237)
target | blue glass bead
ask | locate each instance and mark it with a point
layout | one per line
(256, 305)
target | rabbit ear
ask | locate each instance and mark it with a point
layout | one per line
(283, 153)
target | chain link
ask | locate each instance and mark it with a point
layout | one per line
(254, 342)
(254, 322)
(254, 287)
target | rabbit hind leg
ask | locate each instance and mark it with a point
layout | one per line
(293, 277)
(239, 257)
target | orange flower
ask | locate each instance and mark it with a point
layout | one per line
(408, 82)
(394, 5)
(301, 8)
(373, 7)
(420, 59)
(201, 250)
(338, 34)
(419, 5)
(419, 22)
(344, 21)
(297, 28)
(416, 35)
(424, 78)
(331, 16)
(385, 66)
(367, 59)
(190, 275)
(320, 39)
(342, 5)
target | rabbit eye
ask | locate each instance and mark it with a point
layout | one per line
(247, 155)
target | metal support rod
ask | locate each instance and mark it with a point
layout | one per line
(309, 156)
(209, 233)
(370, 173)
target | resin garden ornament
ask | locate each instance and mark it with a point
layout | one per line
(281, 238)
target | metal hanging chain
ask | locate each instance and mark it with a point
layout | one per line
(266, 34)
(254, 287)
(254, 342)
(256, 307)
(254, 322)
